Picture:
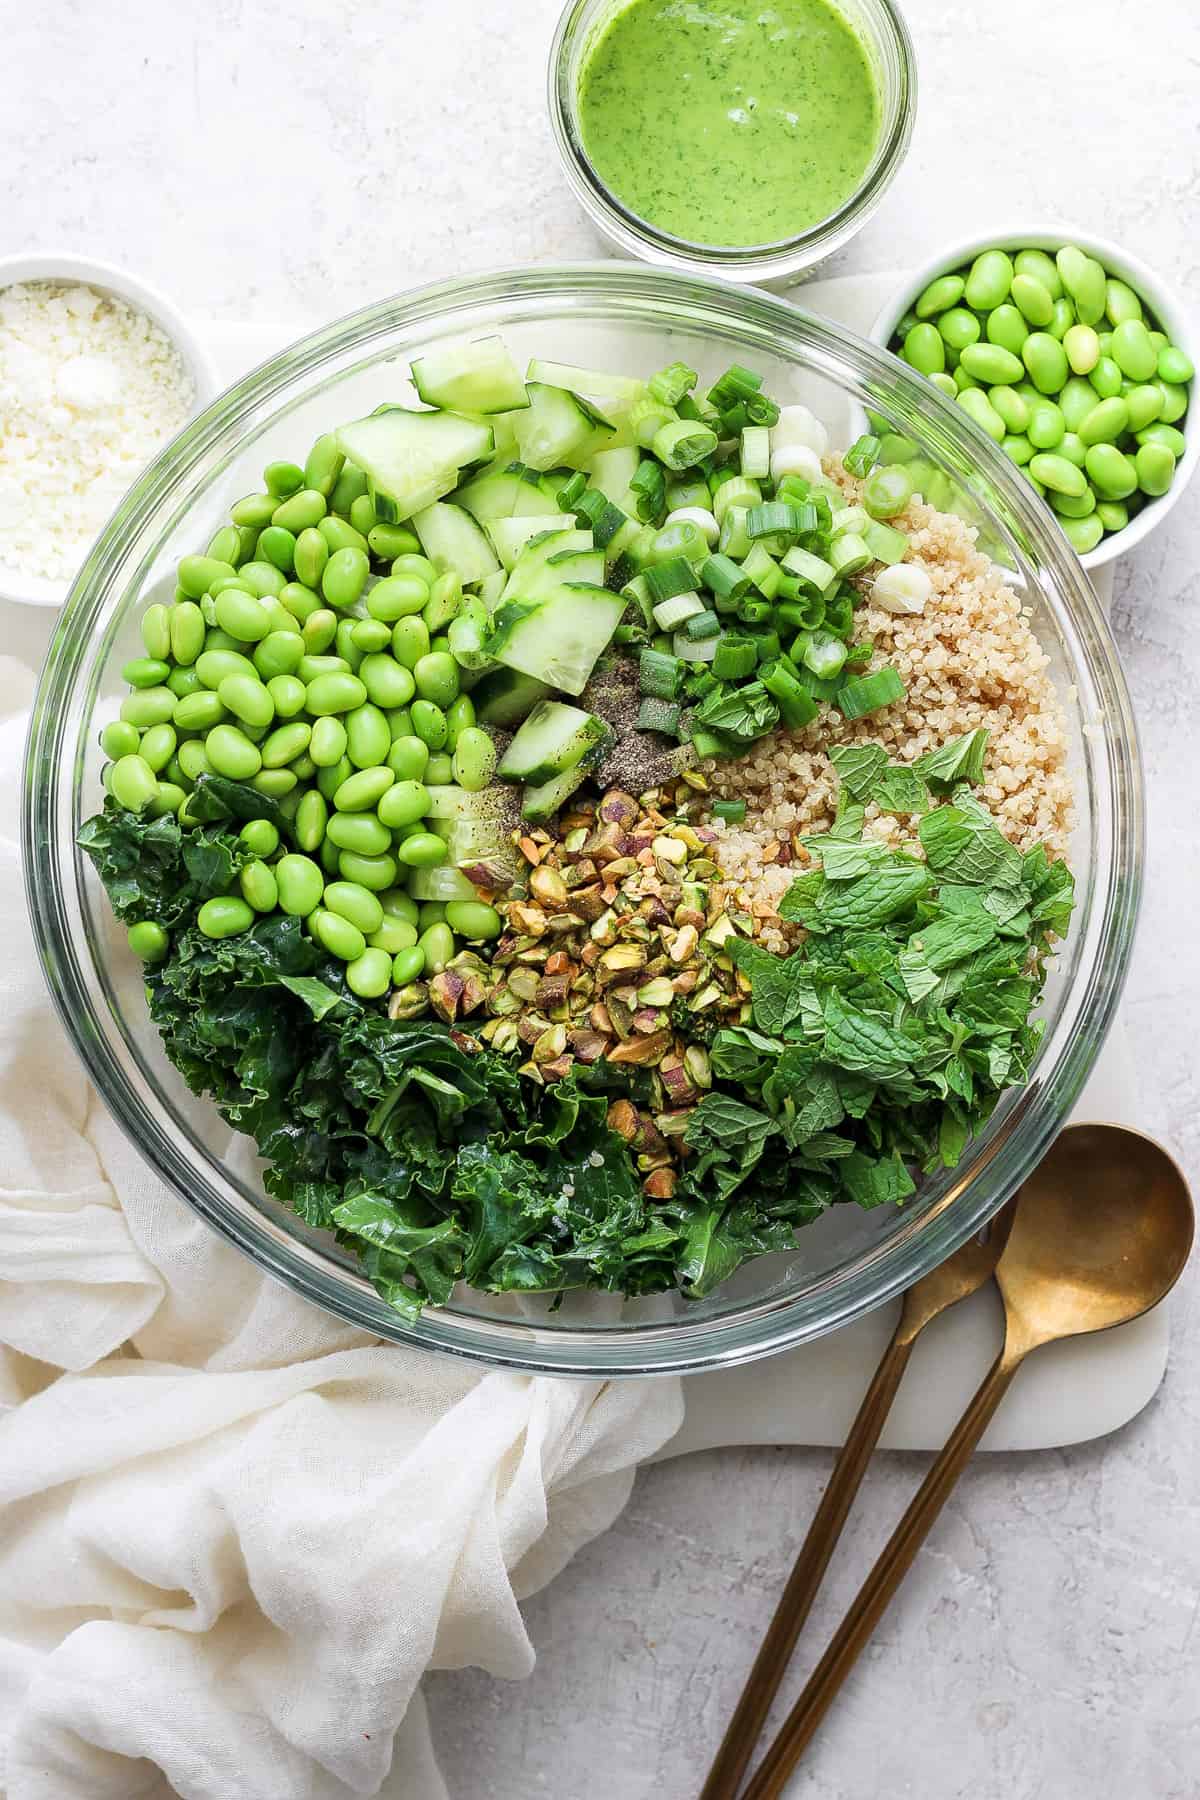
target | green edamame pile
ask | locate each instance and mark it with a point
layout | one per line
(1064, 367)
(303, 654)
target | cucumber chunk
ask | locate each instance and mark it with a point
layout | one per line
(554, 738)
(559, 638)
(506, 490)
(539, 804)
(611, 393)
(510, 536)
(549, 559)
(412, 459)
(505, 696)
(475, 378)
(557, 427)
(443, 883)
(451, 539)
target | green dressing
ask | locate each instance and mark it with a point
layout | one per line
(726, 121)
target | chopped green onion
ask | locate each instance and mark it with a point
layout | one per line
(756, 451)
(753, 612)
(712, 743)
(886, 544)
(658, 715)
(811, 571)
(773, 518)
(672, 383)
(647, 417)
(849, 554)
(762, 570)
(741, 491)
(797, 707)
(665, 579)
(681, 538)
(867, 693)
(687, 490)
(721, 575)
(595, 511)
(683, 442)
(659, 676)
(736, 656)
(861, 455)
(732, 811)
(701, 625)
(573, 492)
(719, 476)
(694, 650)
(670, 614)
(839, 612)
(734, 541)
(766, 645)
(649, 485)
(801, 615)
(637, 591)
(629, 634)
(859, 655)
(848, 518)
(825, 655)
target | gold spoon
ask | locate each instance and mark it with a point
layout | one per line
(1103, 1228)
(960, 1275)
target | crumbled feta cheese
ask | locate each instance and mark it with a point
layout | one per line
(90, 388)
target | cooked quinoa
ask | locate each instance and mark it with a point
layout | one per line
(970, 659)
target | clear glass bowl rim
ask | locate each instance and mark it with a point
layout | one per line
(1008, 1150)
(780, 261)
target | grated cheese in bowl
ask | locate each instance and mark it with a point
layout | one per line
(90, 388)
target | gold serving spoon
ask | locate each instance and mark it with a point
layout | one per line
(1101, 1233)
(960, 1275)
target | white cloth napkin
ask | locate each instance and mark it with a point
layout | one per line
(234, 1532)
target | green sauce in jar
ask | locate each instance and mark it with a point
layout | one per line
(729, 121)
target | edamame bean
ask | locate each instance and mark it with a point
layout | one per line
(1082, 347)
(224, 916)
(943, 383)
(976, 405)
(1106, 378)
(407, 758)
(278, 546)
(1006, 328)
(299, 602)
(363, 516)
(311, 556)
(397, 904)
(258, 887)
(408, 965)
(1046, 361)
(1057, 474)
(403, 804)
(375, 872)
(430, 912)
(1072, 446)
(186, 632)
(301, 511)
(149, 706)
(330, 856)
(943, 292)
(358, 904)
(158, 746)
(282, 478)
(330, 776)
(473, 919)
(345, 645)
(1155, 468)
(1076, 401)
(1034, 301)
(300, 883)
(438, 946)
(312, 815)
(289, 695)
(132, 783)
(1040, 267)
(148, 941)
(1132, 350)
(393, 935)
(145, 672)
(241, 615)
(410, 642)
(327, 745)
(400, 721)
(362, 791)
(436, 676)
(279, 653)
(991, 364)
(183, 681)
(924, 349)
(254, 509)
(262, 578)
(460, 716)
(323, 465)
(231, 753)
(389, 541)
(388, 682)
(337, 935)
(1083, 534)
(1046, 424)
(1174, 365)
(474, 759)
(1062, 318)
(1174, 401)
(339, 534)
(989, 281)
(439, 770)
(1120, 301)
(369, 975)
(274, 782)
(351, 483)
(1106, 422)
(156, 631)
(335, 693)
(1143, 404)
(168, 799)
(368, 736)
(246, 697)
(344, 577)
(1084, 281)
(423, 850)
(320, 629)
(1012, 407)
(1163, 434)
(397, 597)
(1110, 472)
(429, 723)
(1112, 514)
(285, 744)
(363, 833)
(260, 837)
(196, 574)
(122, 739)
(199, 711)
(1073, 506)
(1018, 449)
(370, 636)
(958, 328)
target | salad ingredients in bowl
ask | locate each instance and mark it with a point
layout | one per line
(583, 832)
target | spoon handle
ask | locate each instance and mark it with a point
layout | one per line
(770, 1665)
(853, 1634)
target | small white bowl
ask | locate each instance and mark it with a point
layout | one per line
(86, 270)
(1161, 300)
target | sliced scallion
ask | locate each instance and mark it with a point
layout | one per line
(649, 485)
(736, 656)
(797, 707)
(659, 675)
(867, 693)
(701, 625)
(732, 811)
(672, 383)
(756, 451)
(665, 579)
(862, 455)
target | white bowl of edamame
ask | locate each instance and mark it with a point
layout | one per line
(1075, 358)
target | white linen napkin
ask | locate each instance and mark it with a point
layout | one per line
(233, 1531)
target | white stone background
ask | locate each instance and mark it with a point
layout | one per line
(295, 159)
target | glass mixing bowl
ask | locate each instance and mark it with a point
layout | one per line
(627, 318)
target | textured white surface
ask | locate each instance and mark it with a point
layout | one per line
(297, 159)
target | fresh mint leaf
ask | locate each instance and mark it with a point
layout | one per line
(865, 1044)
(958, 760)
(900, 789)
(961, 846)
(779, 985)
(859, 767)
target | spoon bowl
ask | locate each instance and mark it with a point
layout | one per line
(1103, 1230)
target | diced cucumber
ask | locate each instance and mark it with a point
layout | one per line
(559, 638)
(539, 804)
(612, 471)
(611, 393)
(505, 491)
(531, 574)
(412, 459)
(456, 803)
(505, 697)
(553, 739)
(557, 427)
(444, 883)
(451, 539)
(476, 378)
(510, 536)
